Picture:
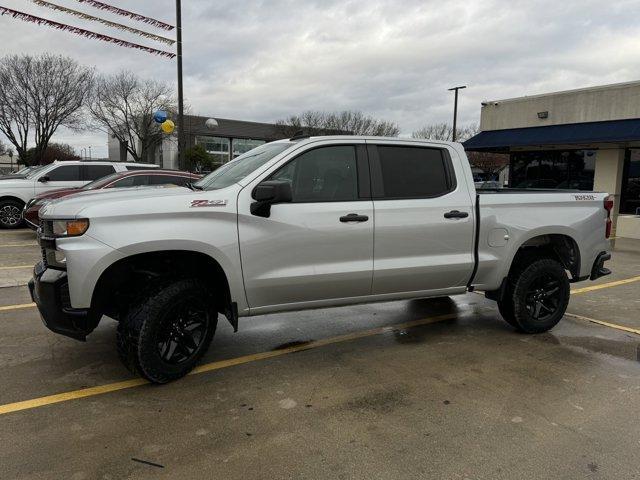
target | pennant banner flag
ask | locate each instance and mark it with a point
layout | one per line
(127, 13)
(80, 31)
(119, 26)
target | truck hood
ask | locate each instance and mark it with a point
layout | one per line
(117, 199)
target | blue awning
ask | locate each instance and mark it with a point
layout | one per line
(573, 133)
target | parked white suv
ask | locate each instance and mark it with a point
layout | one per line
(16, 192)
(308, 223)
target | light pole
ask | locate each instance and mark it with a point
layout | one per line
(180, 86)
(455, 110)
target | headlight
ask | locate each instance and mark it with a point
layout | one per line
(70, 228)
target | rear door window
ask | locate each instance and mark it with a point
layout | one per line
(94, 172)
(410, 172)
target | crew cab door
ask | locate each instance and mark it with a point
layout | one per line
(424, 223)
(310, 250)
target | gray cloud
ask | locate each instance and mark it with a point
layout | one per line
(263, 60)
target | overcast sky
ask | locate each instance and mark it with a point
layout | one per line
(395, 59)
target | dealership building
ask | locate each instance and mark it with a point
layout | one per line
(224, 142)
(586, 139)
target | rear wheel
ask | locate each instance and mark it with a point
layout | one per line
(168, 333)
(10, 214)
(540, 296)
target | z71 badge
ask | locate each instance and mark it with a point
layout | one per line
(208, 203)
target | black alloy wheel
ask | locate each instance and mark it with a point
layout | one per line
(539, 293)
(182, 332)
(543, 297)
(166, 332)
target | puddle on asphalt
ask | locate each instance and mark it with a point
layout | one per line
(295, 343)
(626, 350)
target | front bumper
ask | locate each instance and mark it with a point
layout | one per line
(50, 291)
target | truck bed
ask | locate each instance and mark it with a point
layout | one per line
(510, 218)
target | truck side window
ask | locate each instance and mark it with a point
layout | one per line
(411, 172)
(326, 174)
(66, 173)
(94, 172)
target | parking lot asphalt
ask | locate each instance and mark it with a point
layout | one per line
(437, 388)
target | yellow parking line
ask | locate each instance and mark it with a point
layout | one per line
(9, 308)
(605, 285)
(605, 324)
(19, 245)
(16, 267)
(114, 387)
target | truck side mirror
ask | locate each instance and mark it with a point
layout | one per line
(269, 193)
(43, 179)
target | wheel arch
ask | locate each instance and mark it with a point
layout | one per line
(559, 246)
(14, 198)
(123, 280)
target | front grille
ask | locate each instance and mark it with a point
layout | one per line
(45, 231)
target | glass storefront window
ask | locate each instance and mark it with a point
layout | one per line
(217, 147)
(242, 145)
(631, 183)
(571, 169)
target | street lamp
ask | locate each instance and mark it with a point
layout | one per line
(455, 109)
(181, 161)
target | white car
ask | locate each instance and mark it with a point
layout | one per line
(16, 192)
(308, 223)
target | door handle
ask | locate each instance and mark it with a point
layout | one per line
(456, 214)
(354, 217)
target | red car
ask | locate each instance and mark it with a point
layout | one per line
(134, 178)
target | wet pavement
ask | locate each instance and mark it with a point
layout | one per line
(459, 395)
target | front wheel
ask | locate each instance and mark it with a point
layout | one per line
(10, 214)
(540, 295)
(164, 337)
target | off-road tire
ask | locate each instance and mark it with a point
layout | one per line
(521, 292)
(505, 307)
(139, 328)
(11, 214)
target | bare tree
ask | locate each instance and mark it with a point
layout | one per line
(444, 131)
(489, 162)
(123, 104)
(15, 119)
(38, 95)
(4, 150)
(338, 123)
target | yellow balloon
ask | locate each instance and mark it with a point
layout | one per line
(168, 126)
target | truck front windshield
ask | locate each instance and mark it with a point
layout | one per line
(237, 169)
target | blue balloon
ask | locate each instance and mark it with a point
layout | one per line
(160, 116)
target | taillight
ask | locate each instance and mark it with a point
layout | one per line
(608, 206)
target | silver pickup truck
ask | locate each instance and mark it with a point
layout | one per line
(308, 223)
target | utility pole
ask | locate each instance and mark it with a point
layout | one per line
(181, 125)
(455, 110)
